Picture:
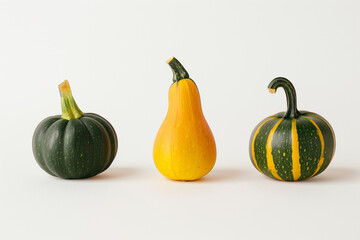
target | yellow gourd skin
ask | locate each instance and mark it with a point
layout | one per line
(184, 147)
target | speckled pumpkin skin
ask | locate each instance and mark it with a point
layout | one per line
(76, 148)
(292, 149)
(292, 145)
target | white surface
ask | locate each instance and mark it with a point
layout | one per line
(114, 52)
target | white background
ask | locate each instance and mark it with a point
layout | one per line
(113, 53)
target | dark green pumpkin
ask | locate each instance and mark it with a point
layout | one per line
(293, 145)
(74, 145)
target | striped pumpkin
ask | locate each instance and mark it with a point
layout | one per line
(293, 145)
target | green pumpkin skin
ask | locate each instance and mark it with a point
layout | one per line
(293, 145)
(74, 148)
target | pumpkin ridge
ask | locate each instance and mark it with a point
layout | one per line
(282, 151)
(253, 142)
(76, 150)
(65, 165)
(296, 166)
(51, 163)
(38, 141)
(90, 140)
(269, 156)
(260, 146)
(46, 160)
(90, 121)
(111, 133)
(321, 161)
(328, 124)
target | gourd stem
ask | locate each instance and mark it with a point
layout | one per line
(178, 70)
(70, 110)
(290, 92)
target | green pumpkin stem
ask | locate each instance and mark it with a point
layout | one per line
(292, 111)
(178, 70)
(70, 110)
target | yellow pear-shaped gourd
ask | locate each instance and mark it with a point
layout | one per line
(184, 147)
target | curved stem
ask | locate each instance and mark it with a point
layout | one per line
(70, 110)
(290, 92)
(178, 70)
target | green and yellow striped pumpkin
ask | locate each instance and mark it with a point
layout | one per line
(293, 145)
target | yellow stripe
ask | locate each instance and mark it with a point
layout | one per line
(332, 132)
(296, 169)
(269, 156)
(322, 146)
(253, 143)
